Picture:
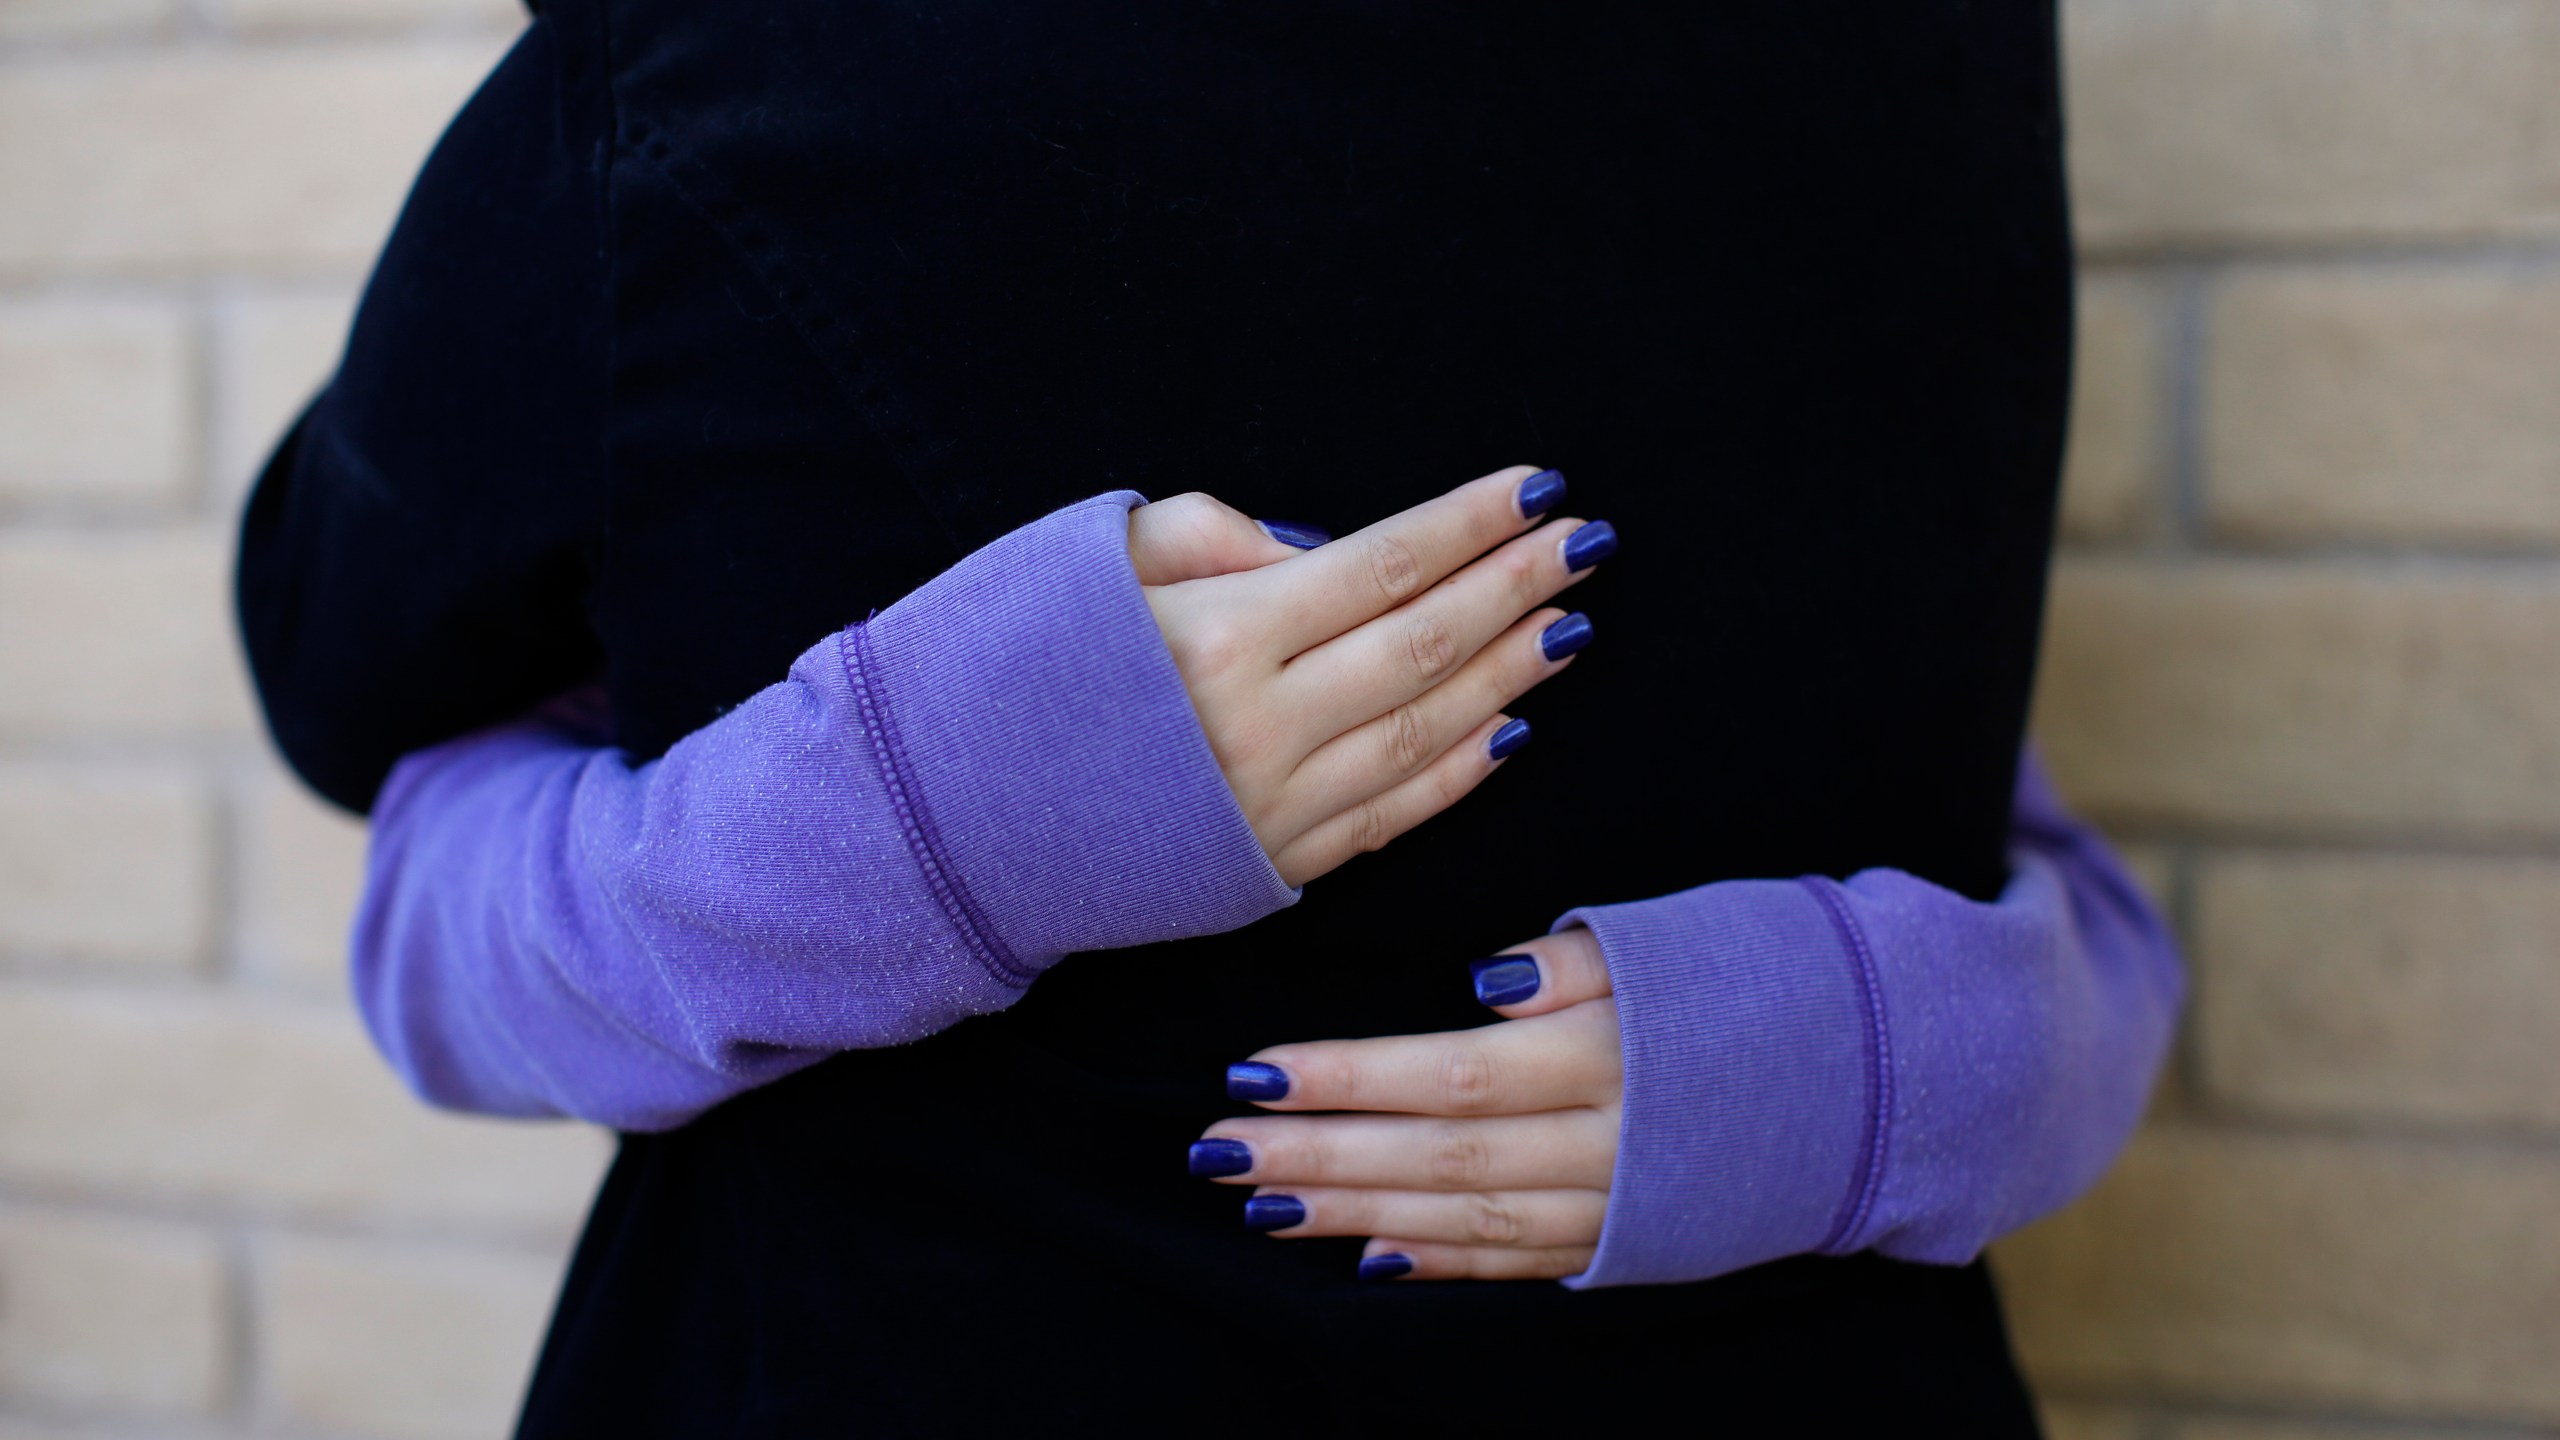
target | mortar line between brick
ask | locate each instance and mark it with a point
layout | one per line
(202, 396)
(2183, 356)
(223, 1217)
(213, 41)
(2207, 1115)
(228, 815)
(2535, 246)
(2380, 844)
(241, 1395)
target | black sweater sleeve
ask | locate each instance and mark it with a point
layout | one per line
(411, 561)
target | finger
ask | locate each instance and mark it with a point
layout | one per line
(1364, 575)
(1384, 752)
(1512, 1067)
(1373, 822)
(1531, 1219)
(1428, 1260)
(1195, 536)
(1544, 975)
(1559, 1149)
(1363, 674)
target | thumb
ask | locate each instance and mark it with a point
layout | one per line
(1195, 536)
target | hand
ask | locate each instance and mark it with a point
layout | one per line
(1485, 1154)
(1353, 690)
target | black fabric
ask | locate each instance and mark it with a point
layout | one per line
(710, 329)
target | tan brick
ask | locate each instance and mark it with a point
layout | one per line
(118, 634)
(2154, 868)
(102, 865)
(407, 1343)
(2252, 120)
(94, 402)
(188, 160)
(2391, 403)
(2115, 475)
(2064, 1420)
(272, 354)
(109, 1313)
(83, 19)
(269, 15)
(2311, 697)
(2257, 1429)
(2400, 986)
(2336, 1274)
(303, 868)
(278, 1106)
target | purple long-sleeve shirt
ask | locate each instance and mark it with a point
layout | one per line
(1004, 767)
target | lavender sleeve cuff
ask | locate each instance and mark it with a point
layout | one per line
(932, 808)
(1824, 1067)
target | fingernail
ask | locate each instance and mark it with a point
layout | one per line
(1505, 979)
(1512, 735)
(1590, 545)
(1304, 537)
(1273, 1212)
(1254, 1080)
(1565, 636)
(1386, 1267)
(1541, 493)
(1213, 1158)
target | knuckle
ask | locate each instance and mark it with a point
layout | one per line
(1520, 575)
(1214, 646)
(1408, 739)
(1430, 646)
(1307, 1159)
(1490, 1221)
(1314, 1074)
(1469, 1080)
(1394, 569)
(1371, 828)
(1458, 1157)
(1451, 785)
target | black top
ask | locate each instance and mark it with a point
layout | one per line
(711, 328)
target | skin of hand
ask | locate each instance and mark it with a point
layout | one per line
(1353, 690)
(1480, 1154)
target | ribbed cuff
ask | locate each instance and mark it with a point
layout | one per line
(1047, 758)
(1749, 1124)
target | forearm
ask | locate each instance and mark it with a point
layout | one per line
(932, 809)
(1817, 1066)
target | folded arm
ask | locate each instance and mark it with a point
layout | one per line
(1752, 1069)
(1000, 769)
(1823, 1066)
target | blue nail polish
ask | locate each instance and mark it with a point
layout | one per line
(1274, 1212)
(1565, 636)
(1304, 537)
(1541, 493)
(1512, 735)
(1213, 1158)
(1386, 1267)
(1590, 545)
(1254, 1080)
(1505, 979)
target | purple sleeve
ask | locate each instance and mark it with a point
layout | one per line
(935, 806)
(1819, 1067)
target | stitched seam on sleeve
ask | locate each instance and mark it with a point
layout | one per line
(913, 818)
(1862, 1199)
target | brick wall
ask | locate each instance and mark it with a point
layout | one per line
(2305, 660)
(219, 1214)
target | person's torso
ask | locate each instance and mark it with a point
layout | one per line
(1784, 289)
